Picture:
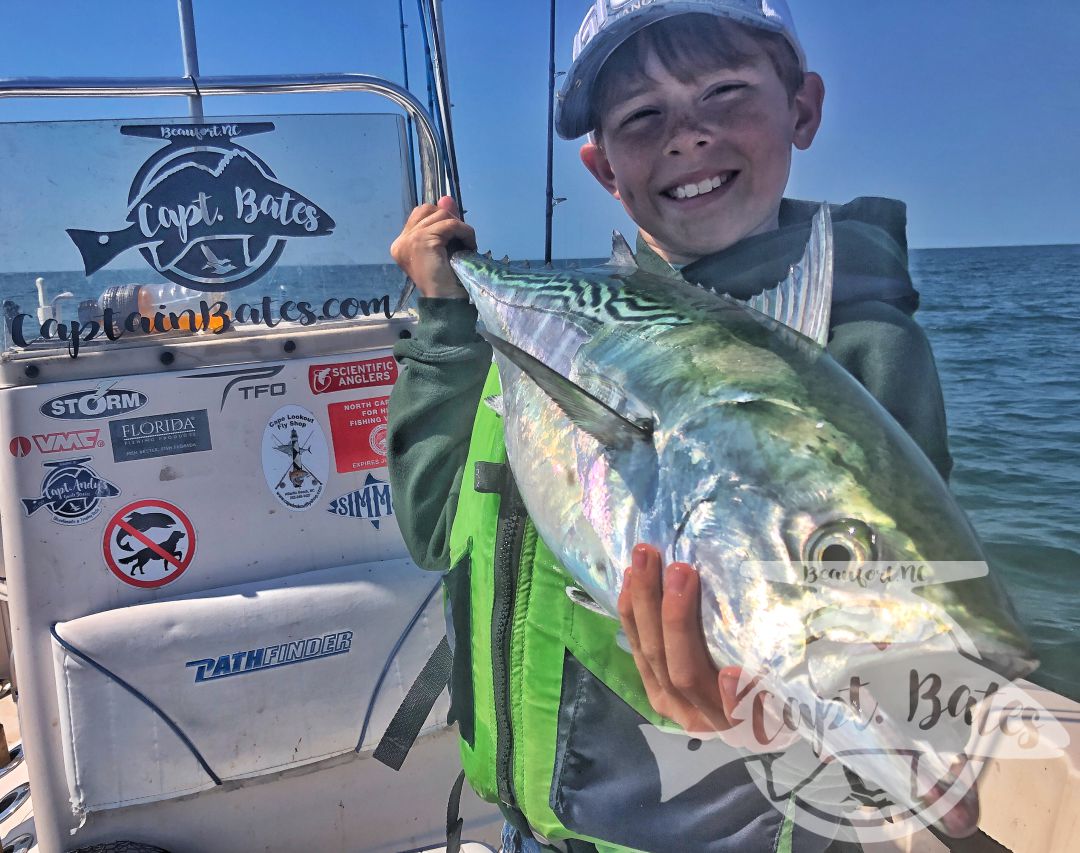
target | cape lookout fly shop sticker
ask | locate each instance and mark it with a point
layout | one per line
(295, 458)
(203, 211)
(72, 491)
(149, 543)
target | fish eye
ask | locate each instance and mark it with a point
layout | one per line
(846, 540)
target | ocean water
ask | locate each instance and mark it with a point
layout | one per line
(1005, 327)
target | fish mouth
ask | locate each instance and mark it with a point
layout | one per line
(701, 184)
(961, 820)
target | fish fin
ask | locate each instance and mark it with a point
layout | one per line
(587, 412)
(495, 403)
(621, 253)
(803, 300)
(406, 295)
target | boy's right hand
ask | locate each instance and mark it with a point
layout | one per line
(420, 249)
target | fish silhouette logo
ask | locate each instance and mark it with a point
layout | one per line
(204, 211)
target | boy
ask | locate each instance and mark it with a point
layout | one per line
(693, 107)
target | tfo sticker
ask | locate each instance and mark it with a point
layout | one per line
(295, 458)
(149, 543)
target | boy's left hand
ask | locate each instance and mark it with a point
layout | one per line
(660, 613)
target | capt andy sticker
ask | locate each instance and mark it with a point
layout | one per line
(358, 429)
(295, 458)
(72, 491)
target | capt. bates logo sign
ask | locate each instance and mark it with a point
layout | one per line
(205, 212)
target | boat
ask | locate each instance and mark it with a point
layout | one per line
(213, 617)
(210, 619)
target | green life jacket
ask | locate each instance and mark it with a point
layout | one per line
(549, 707)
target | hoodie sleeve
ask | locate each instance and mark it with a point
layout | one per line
(888, 352)
(432, 408)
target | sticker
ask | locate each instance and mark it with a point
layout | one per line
(328, 378)
(160, 435)
(72, 491)
(57, 442)
(373, 502)
(295, 458)
(253, 390)
(202, 210)
(358, 430)
(149, 543)
(98, 403)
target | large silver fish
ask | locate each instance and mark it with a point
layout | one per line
(639, 408)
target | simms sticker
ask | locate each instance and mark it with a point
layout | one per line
(87, 405)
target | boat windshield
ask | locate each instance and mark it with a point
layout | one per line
(131, 232)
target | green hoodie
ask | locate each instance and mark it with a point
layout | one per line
(872, 335)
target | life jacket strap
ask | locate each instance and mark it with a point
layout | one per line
(409, 718)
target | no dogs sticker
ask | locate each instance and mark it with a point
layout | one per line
(149, 543)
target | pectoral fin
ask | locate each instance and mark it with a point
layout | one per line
(587, 412)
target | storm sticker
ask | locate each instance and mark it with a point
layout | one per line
(295, 457)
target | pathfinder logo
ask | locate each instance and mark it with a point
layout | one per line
(269, 657)
(205, 212)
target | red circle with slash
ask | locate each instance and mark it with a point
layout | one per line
(149, 543)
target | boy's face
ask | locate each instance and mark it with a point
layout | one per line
(703, 164)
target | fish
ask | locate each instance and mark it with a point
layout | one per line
(198, 200)
(640, 408)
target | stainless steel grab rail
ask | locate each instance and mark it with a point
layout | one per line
(433, 170)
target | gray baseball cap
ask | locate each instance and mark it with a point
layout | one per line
(611, 22)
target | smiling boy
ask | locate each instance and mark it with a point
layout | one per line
(693, 108)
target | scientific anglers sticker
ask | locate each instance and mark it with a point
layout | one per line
(373, 502)
(149, 543)
(72, 491)
(295, 458)
(328, 378)
(358, 429)
(160, 435)
(203, 211)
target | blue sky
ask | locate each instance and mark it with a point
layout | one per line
(969, 110)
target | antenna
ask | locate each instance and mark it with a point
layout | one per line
(191, 56)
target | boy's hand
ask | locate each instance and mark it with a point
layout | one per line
(420, 249)
(660, 612)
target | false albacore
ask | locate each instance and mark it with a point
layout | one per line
(639, 408)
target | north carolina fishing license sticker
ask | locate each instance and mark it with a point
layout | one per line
(295, 457)
(149, 543)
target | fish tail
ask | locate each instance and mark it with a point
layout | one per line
(99, 247)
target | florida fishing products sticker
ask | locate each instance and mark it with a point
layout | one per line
(72, 491)
(358, 429)
(373, 502)
(345, 376)
(160, 435)
(149, 543)
(295, 458)
(204, 211)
